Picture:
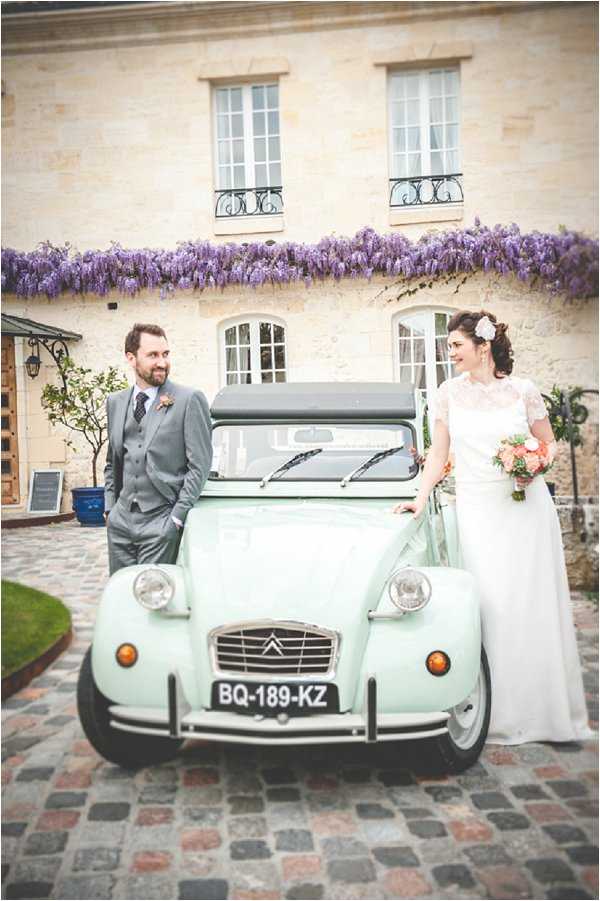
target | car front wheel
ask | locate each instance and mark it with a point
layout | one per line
(123, 748)
(467, 726)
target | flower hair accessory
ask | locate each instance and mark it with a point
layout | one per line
(486, 329)
(165, 400)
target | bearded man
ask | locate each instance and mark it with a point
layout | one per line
(159, 455)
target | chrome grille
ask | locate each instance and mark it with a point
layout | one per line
(275, 650)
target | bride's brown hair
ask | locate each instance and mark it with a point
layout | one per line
(502, 352)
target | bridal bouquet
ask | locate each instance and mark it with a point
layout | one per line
(522, 458)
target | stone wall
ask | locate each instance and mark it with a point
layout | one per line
(334, 331)
(114, 142)
(579, 526)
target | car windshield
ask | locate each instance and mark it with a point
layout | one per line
(253, 451)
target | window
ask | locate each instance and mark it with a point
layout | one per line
(254, 352)
(251, 451)
(421, 339)
(248, 150)
(424, 137)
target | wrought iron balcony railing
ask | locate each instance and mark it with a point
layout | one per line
(249, 202)
(425, 190)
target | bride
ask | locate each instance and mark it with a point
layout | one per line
(514, 550)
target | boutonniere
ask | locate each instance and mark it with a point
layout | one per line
(165, 400)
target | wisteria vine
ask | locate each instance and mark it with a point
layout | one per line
(566, 262)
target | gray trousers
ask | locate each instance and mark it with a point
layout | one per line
(136, 537)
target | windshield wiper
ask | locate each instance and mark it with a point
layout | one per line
(299, 458)
(380, 455)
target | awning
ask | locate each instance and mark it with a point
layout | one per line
(17, 327)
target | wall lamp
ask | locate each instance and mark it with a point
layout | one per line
(32, 365)
(57, 350)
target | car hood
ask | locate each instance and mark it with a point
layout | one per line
(316, 561)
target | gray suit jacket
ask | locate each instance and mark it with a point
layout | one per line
(178, 449)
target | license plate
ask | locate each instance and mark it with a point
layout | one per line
(270, 699)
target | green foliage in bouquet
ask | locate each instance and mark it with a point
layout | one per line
(81, 406)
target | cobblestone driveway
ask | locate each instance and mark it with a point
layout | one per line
(236, 822)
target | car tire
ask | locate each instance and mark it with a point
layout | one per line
(468, 725)
(123, 748)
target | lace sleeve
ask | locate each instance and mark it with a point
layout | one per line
(440, 404)
(534, 403)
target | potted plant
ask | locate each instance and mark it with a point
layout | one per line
(555, 404)
(80, 405)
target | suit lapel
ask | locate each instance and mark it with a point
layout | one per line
(118, 426)
(154, 416)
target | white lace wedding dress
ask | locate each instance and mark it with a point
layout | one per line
(514, 550)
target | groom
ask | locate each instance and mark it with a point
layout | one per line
(158, 458)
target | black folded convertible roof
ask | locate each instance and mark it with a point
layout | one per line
(314, 401)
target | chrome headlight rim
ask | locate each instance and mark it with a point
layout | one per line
(404, 571)
(168, 585)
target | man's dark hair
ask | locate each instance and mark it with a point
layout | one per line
(132, 341)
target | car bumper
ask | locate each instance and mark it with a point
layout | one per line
(179, 722)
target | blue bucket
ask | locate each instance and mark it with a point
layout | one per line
(88, 504)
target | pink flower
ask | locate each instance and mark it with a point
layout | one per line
(532, 462)
(508, 459)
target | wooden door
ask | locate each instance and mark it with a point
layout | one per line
(10, 450)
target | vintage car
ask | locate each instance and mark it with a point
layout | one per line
(301, 608)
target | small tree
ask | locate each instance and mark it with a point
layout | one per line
(81, 405)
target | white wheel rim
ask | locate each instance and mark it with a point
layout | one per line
(466, 719)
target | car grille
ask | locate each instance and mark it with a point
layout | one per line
(275, 650)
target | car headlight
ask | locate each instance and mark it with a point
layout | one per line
(409, 589)
(153, 589)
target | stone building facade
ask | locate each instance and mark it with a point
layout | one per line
(123, 123)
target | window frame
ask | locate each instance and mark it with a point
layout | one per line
(424, 121)
(430, 363)
(247, 135)
(254, 321)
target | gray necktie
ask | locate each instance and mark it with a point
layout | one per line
(140, 406)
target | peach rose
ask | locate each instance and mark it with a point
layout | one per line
(532, 462)
(508, 459)
(520, 451)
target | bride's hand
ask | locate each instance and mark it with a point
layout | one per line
(415, 507)
(524, 482)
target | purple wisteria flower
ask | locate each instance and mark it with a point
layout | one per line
(566, 262)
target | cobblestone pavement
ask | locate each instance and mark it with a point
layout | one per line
(236, 822)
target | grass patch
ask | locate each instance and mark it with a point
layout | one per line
(31, 622)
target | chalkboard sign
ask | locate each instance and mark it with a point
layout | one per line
(45, 490)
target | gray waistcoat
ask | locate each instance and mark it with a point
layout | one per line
(136, 484)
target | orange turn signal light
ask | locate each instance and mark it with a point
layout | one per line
(438, 663)
(126, 655)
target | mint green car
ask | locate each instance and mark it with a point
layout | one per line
(301, 609)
